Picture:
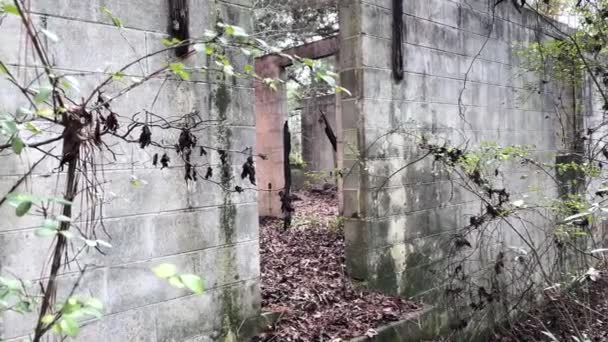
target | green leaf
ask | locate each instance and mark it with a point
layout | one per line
(69, 326)
(235, 31)
(91, 312)
(193, 282)
(137, 182)
(94, 303)
(340, 89)
(23, 208)
(46, 113)
(11, 9)
(165, 270)
(3, 68)
(170, 42)
(42, 94)
(50, 35)
(9, 126)
(23, 113)
(175, 281)
(47, 319)
(308, 62)
(32, 128)
(249, 69)
(72, 83)
(179, 69)
(16, 198)
(115, 20)
(22, 307)
(117, 76)
(17, 144)
(11, 284)
(45, 232)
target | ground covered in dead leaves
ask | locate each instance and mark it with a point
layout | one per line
(581, 313)
(304, 278)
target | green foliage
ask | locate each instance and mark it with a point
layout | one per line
(66, 320)
(169, 272)
(9, 8)
(296, 161)
(558, 59)
(179, 69)
(13, 296)
(292, 22)
(9, 129)
(490, 154)
(23, 202)
(115, 20)
(585, 169)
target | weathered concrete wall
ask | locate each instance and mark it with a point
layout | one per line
(271, 114)
(199, 227)
(398, 236)
(317, 150)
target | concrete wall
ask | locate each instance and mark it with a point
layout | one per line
(399, 236)
(200, 227)
(271, 114)
(317, 150)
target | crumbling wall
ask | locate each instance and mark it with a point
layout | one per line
(463, 85)
(203, 228)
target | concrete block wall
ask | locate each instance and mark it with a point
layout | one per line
(200, 227)
(317, 150)
(399, 230)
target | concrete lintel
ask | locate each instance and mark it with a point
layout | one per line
(315, 50)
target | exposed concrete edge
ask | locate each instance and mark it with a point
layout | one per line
(416, 326)
(425, 323)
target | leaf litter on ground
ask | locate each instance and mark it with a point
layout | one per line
(304, 278)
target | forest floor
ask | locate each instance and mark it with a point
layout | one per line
(578, 315)
(304, 278)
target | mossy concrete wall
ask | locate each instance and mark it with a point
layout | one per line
(463, 85)
(202, 227)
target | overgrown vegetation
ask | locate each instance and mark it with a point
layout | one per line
(80, 131)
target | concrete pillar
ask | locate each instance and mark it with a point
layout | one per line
(271, 113)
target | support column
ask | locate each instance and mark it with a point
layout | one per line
(271, 113)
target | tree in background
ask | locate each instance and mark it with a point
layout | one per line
(286, 23)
